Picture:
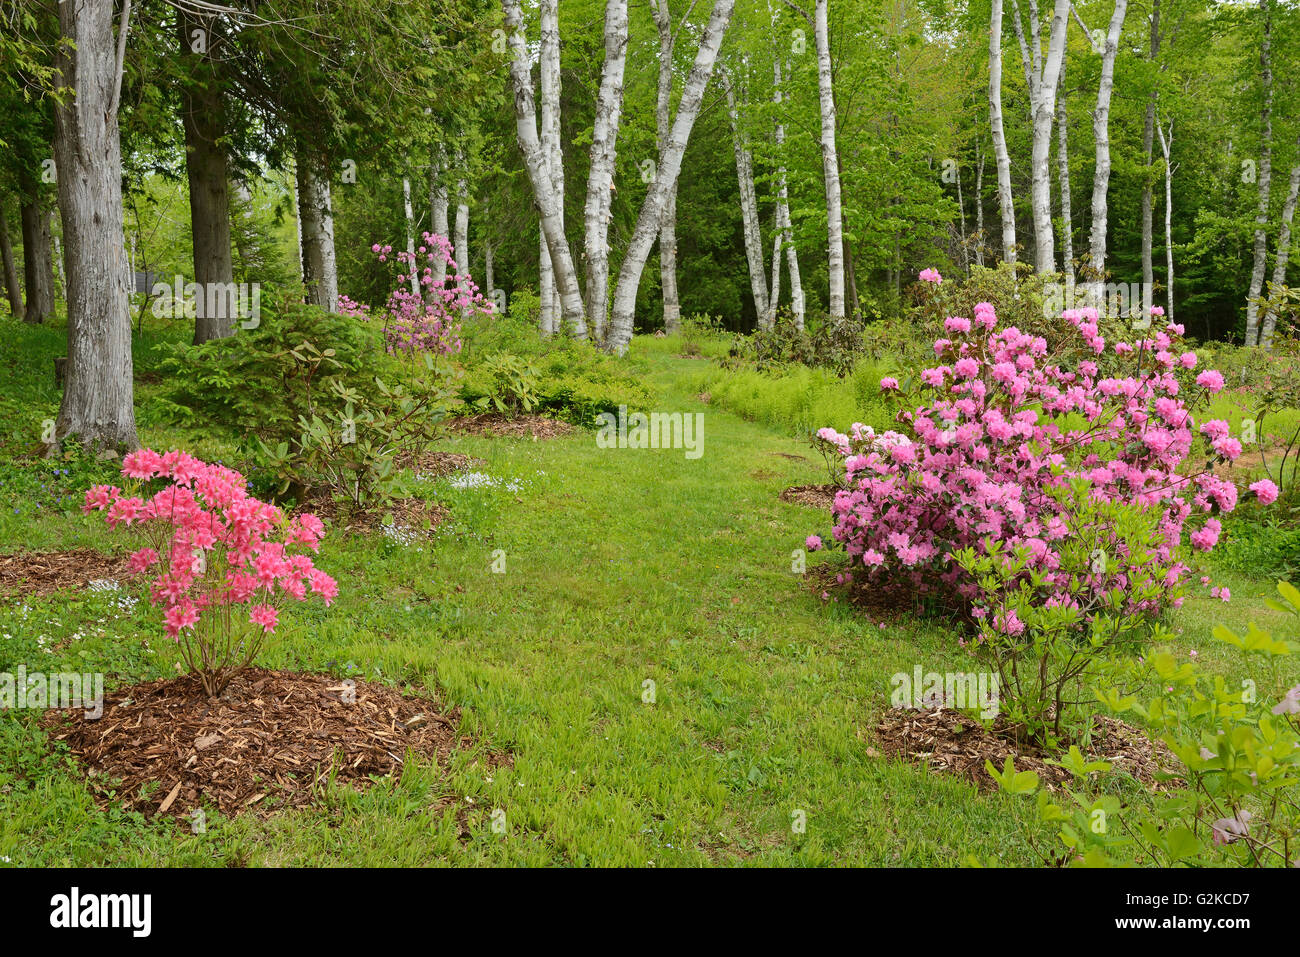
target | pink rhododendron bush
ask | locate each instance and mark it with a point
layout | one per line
(225, 561)
(428, 320)
(1051, 505)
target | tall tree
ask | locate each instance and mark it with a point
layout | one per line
(97, 407)
(663, 123)
(1002, 156)
(1101, 138)
(600, 179)
(1260, 262)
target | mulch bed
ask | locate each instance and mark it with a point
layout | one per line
(273, 739)
(43, 573)
(416, 514)
(949, 742)
(816, 496)
(431, 464)
(496, 424)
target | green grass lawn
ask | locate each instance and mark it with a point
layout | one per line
(622, 567)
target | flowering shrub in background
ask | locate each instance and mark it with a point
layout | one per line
(225, 561)
(1035, 496)
(428, 321)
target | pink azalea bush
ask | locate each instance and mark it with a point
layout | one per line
(225, 561)
(1028, 496)
(428, 322)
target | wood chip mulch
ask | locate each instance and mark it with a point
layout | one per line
(816, 496)
(273, 739)
(950, 742)
(43, 573)
(417, 514)
(495, 424)
(432, 464)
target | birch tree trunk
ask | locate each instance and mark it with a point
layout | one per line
(410, 235)
(663, 125)
(748, 208)
(1166, 145)
(539, 174)
(202, 111)
(1101, 136)
(979, 206)
(1063, 161)
(830, 160)
(97, 406)
(13, 291)
(319, 268)
(1283, 253)
(670, 164)
(1148, 141)
(462, 236)
(784, 229)
(1044, 111)
(1265, 176)
(1000, 154)
(600, 180)
(438, 213)
(550, 93)
(489, 278)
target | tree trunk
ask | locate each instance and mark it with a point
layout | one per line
(1044, 110)
(1101, 136)
(748, 209)
(13, 291)
(98, 388)
(438, 214)
(1003, 158)
(38, 263)
(489, 278)
(784, 229)
(203, 119)
(550, 93)
(830, 164)
(410, 235)
(1283, 253)
(1265, 175)
(663, 125)
(539, 175)
(1148, 141)
(979, 206)
(319, 269)
(670, 164)
(462, 237)
(1166, 145)
(1063, 160)
(600, 180)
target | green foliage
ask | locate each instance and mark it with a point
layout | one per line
(511, 384)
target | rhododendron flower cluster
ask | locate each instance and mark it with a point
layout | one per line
(1007, 446)
(428, 321)
(224, 560)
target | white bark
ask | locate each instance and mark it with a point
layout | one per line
(748, 209)
(1166, 144)
(979, 206)
(97, 406)
(462, 235)
(438, 213)
(1265, 176)
(670, 164)
(1101, 137)
(830, 157)
(1044, 111)
(1063, 161)
(784, 230)
(600, 180)
(537, 164)
(1003, 158)
(549, 63)
(410, 235)
(663, 125)
(1283, 253)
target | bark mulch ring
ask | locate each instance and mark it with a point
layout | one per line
(43, 573)
(274, 739)
(952, 743)
(880, 604)
(406, 517)
(529, 425)
(817, 496)
(431, 464)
